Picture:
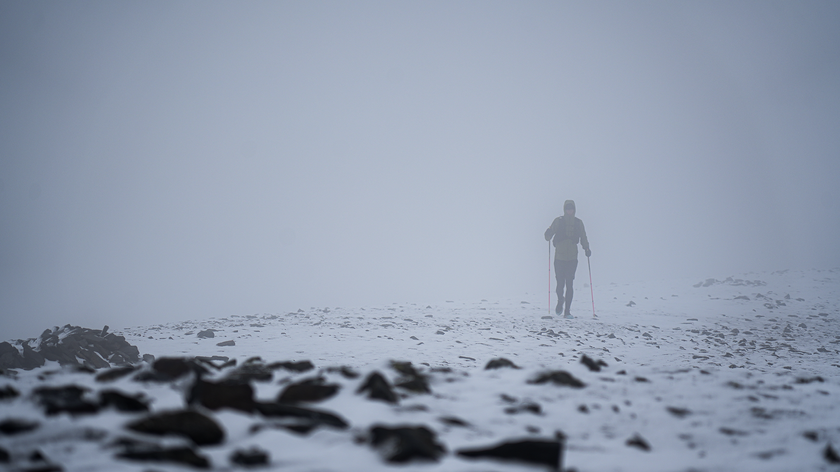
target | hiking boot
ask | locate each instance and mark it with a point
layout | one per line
(559, 308)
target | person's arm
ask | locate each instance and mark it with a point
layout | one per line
(584, 242)
(551, 230)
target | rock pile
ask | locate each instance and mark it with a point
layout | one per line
(69, 346)
(178, 435)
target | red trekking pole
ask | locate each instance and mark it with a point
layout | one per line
(591, 290)
(549, 277)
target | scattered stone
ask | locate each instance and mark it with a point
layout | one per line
(678, 412)
(639, 442)
(301, 366)
(207, 333)
(378, 388)
(454, 421)
(525, 407)
(252, 369)
(807, 380)
(541, 452)
(346, 372)
(66, 399)
(250, 457)
(558, 377)
(200, 428)
(411, 379)
(831, 455)
(592, 364)
(811, 436)
(7, 392)
(115, 373)
(230, 342)
(404, 444)
(308, 390)
(12, 426)
(150, 452)
(500, 362)
(167, 369)
(225, 394)
(122, 402)
(300, 419)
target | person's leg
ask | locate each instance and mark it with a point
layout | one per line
(559, 272)
(571, 268)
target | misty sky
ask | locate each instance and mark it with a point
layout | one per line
(179, 160)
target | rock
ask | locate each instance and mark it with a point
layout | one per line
(309, 390)
(67, 399)
(217, 395)
(558, 377)
(5, 457)
(33, 359)
(12, 426)
(249, 457)
(10, 358)
(300, 419)
(229, 342)
(7, 392)
(592, 364)
(122, 402)
(378, 388)
(678, 412)
(500, 362)
(404, 444)
(252, 370)
(411, 379)
(830, 455)
(301, 366)
(541, 452)
(167, 369)
(150, 452)
(115, 373)
(346, 372)
(207, 333)
(201, 429)
(639, 442)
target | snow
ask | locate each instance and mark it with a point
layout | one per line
(709, 380)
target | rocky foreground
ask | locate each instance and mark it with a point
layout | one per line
(654, 383)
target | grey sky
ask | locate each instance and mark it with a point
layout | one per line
(177, 160)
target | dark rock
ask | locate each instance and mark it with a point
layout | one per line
(122, 402)
(5, 457)
(804, 380)
(558, 377)
(300, 366)
(454, 421)
(499, 363)
(592, 364)
(201, 429)
(404, 444)
(541, 452)
(378, 388)
(115, 373)
(31, 358)
(167, 369)
(67, 399)
(151, 452)
(638, 442)
(249, 457)
(7, 392)
(309, 390)
(252, 370)
(207, 333)
(678, 412)
(10, 358)
(525, 407)
(306, 418)
(12, 426)
(225, 394)
(831, 455)
(346, 372)
(229, 342)
(411, 379)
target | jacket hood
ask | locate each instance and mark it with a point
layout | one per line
(569, 204)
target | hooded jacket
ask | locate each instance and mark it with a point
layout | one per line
(567, 233)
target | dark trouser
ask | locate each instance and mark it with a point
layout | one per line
(565, 272)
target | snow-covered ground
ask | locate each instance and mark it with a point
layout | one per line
(733, 374)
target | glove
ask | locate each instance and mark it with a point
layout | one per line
(588, 253)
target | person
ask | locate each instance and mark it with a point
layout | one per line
(567, 231)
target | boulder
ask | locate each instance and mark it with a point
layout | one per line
(592, 364)
(12, 426)
(150, 452)
(198, 427)
(558, 377)
(377, 388)
(66, 399)
(500, 362)
(308, 390)
(541, 452)
(122, 402)
(217, 395)
(249, 457)
(402, 444)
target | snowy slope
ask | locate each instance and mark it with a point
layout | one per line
(739, 373)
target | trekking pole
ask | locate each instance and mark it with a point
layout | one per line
(549, 277)
(591, 290)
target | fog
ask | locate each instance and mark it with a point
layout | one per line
(180, 160)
